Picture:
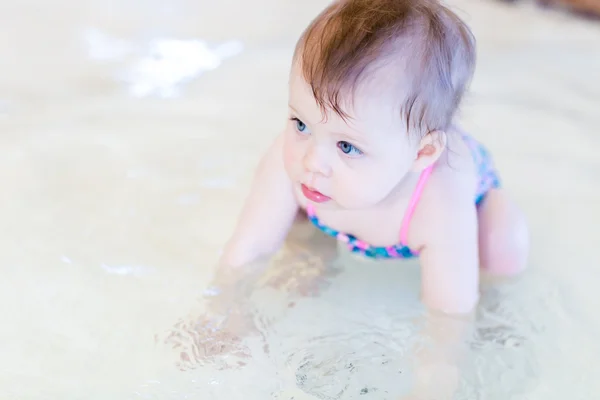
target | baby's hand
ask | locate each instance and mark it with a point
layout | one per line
(216, 335)
(208, 340)
(299, 272)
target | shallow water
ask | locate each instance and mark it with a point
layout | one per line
(126, 158)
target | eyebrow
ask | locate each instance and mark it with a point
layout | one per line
(299, 113)
(293, 109)
(353, 139)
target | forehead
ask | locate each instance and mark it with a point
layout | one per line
(373, 107)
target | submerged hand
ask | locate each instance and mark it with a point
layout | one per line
(298, 271)
(216, 335)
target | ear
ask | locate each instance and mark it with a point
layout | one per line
(429, 149)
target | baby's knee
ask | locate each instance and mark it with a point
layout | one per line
(509, 264)
(504, 246)
(515, 252)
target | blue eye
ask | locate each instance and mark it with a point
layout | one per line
(349, 149)
(300, 126)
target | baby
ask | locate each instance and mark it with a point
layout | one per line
(371, 154)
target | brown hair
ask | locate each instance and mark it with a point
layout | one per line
(351, 36)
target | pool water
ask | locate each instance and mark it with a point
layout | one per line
(129, 132)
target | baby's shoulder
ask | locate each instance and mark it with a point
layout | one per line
(455, 172)
(449, 190)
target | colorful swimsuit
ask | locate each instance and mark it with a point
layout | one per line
(488, 179)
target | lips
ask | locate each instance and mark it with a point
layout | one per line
(313, 195)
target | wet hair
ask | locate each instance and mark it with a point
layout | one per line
(431, 47)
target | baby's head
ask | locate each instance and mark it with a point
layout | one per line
(374, 87)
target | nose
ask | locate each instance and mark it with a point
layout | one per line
(316, 161)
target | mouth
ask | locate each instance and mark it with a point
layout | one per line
(314, 195)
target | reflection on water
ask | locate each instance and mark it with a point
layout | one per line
(161, 66)
(335, 349)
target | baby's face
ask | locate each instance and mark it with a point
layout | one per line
(348, 165)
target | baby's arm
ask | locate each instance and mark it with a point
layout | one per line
(262, 226)
(450, 257)
(268, 212)
(450, 289)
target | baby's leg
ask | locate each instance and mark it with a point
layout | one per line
(503, 235)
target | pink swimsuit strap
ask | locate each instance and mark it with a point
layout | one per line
(412, 205)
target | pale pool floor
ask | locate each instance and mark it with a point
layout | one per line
(113, 210)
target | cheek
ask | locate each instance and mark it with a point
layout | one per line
(366, 190)
(367, 185)
(292, 155)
